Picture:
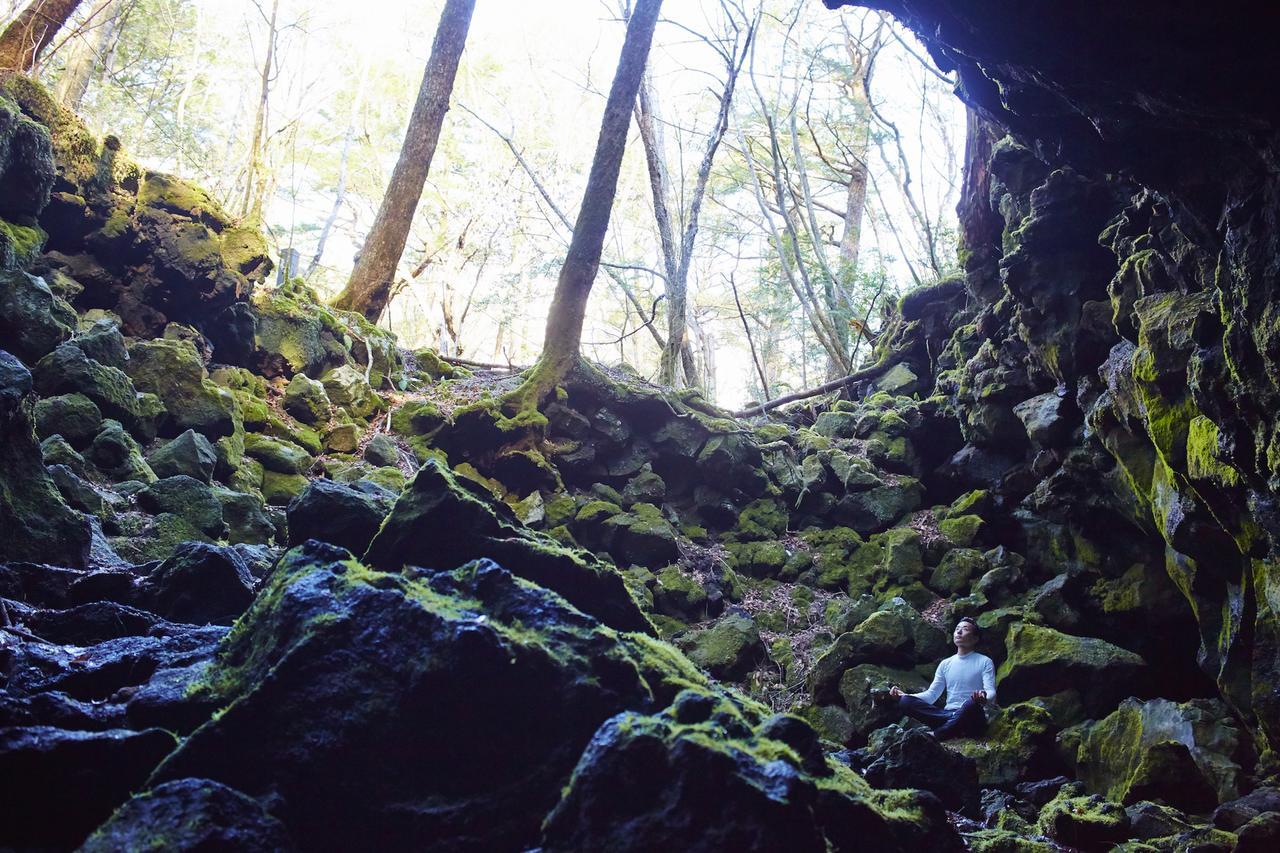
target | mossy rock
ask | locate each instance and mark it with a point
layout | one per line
(440, 519)
(1088, 823)
(306, 400)
(1017, 746)
(728, 650)
(275, 455)
(1043, 661)
(73, 416)
(116, 454)
(959, 566)
(173, 371)
(678, 595)
(278, 488)
(760, 520)
(643, 536)
(187, 498)
(68, 370)
(1003, 841)
(962, 530)
(758, 559)
(32, 320)
(190, 454)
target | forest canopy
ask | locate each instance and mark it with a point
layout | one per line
(816, 153)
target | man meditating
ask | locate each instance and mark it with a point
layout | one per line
(969, 679)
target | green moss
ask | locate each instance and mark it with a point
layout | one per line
(962, 530)
(175, 195)
(1202, 454)
(20, 245)
(762, 519)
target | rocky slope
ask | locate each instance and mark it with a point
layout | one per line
(270, 582)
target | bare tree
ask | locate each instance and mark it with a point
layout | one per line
(25, 39)
(563, 338)
(732, 47)
(369, 288)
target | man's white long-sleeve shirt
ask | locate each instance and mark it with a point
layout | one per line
(960, 676)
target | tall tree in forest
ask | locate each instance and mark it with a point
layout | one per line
(25, 39)
(369, 288)
(732, 48)
(562, 341)
(255, 170)
(87, 51)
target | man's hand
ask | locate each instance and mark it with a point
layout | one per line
(979, 696)
(895, 692)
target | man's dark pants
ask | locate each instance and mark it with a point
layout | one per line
(966, 721)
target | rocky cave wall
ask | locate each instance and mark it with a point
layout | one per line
(1139, 278)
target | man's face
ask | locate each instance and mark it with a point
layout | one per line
(965, 636)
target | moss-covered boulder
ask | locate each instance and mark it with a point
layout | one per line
(441, 520)
(190, 814)
(348, 389)
(1018, 746)
(67, 370)
(282, 457)
(1183, 754)
(895, 637)
(173, 371)
(32, 320)
(340, 684)
(73, 416)
(702, 778)
(116, 454)
(187, 498)
(1042, 661)
(728, 649)
(1088, 823)
(37, 524)
(306, 399)
(863, 690)
(190, 455)
(913, 758)
(642, 536)
(338, 514)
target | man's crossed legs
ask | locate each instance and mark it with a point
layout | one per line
(966, 721)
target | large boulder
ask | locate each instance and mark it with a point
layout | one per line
(201, 583)
(190, 454)
(35, 523)
(1017, 747)
(913, 758)
(187, 498)
(190, 815)
(1087, 823)
(728, 649)
(73, 416)
(442, 521)
(1042, 661)
(68, 370)
(32, 320)
(172, 370)
(695, 780)
(61, 784)
(1180, 753)
(379, 708)
(336, 513)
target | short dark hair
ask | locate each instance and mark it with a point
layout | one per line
(974, 622)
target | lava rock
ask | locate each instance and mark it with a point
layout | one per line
(306, 400)
(201, 583)
(1042, 661)
(73, 416)
(442, 521)
(729, 649)
(190, 454)
(335, 513)
(913, 758)
(190, 815)
(187, 498)
(343, 683)
(64, 783)
(32, 320)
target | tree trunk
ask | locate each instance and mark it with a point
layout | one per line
(25, 39)
(369, 288)
(89, 47)
(251, 204)
(563, 339)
